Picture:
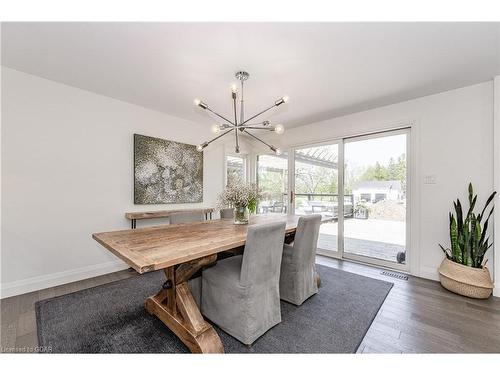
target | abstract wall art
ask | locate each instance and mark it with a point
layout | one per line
(166, 171)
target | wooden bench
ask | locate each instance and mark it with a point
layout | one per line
(134, 216)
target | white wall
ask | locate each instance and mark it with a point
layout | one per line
(496, 173)
(67, 172)
(452, 138)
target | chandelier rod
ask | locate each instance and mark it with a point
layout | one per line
(205, 144)
(260, 140)
(222, 117)
(242, 108)
(260, 128)
(234, 108)
(236, 142)
(258, 114)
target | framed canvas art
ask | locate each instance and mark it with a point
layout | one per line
(166, 171)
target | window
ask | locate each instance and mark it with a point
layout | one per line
(366, 197)
(235, 170)
(272, 180)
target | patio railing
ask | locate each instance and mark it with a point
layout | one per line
(325, 204)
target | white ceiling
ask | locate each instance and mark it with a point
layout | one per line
(327, 69)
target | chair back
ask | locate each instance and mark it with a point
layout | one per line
(262, 255)
(306, 239)
(227, 213)
(186, 217)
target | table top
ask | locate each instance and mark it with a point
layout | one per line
(158, 247)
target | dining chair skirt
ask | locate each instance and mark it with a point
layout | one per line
(298, 271)
(241, 294)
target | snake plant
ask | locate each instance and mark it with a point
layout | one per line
(468, 234)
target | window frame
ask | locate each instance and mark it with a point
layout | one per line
(244, 157)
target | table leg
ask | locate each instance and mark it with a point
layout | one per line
(175, 306)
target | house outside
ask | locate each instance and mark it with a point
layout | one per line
(375, 191)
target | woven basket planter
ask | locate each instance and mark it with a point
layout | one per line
(464, 280)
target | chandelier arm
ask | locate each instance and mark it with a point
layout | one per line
(260, 140)
(261, 123)
(220, 135)
(258, 114)
(227, 126)
(260, 128)
(222, 117)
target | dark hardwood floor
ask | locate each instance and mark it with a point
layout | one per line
(418, 316)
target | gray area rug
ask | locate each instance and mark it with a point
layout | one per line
(111, 319)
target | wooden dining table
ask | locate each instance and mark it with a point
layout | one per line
(180, 250)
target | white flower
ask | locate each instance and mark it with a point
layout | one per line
(238, 195)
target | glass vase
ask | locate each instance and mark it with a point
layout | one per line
(241, 215)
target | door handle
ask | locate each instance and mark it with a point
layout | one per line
(292, 196)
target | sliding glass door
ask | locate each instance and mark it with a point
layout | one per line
(316, 190)
(359, 185)
(375, 176)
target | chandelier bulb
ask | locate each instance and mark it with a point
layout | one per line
(275, 149)
(215, 129)
(201, 146)
(234, 88)
(280, 101)
(199, 103)
(279, 129)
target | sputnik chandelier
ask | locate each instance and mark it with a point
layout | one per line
(243, 125)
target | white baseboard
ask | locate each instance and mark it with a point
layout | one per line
(496, 291)
(32, 284)
(429, 273)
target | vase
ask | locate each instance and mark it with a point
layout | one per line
(241, 215)
(464, 280)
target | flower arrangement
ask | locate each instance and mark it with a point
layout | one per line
(239, 195)
(242, 197)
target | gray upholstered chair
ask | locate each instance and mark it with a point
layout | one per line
(298, 271)
(241, 294)
(227, 213)
(186, 217)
